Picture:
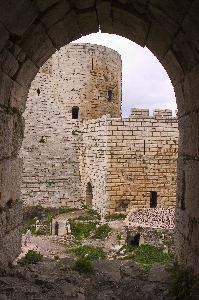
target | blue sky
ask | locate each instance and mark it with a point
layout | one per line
(145, 83)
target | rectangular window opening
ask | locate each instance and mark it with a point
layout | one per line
(153, 199)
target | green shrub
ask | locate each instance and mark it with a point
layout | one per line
(90, 252)
(80, 230)
(146, 256)
(182, 282)
(102, 232)
(83, 265)
(32, 257)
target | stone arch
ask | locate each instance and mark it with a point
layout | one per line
(32, 31)
(89, 194)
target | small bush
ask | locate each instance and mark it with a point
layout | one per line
(89, 252)
(83, 265)
(102, 231)
(32, 257)
(182, 283)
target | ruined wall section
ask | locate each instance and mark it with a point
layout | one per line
(142, 159)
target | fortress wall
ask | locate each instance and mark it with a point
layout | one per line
(127, 159)
(142, 159)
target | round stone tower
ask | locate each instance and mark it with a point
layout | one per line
(78, 83)
(87, 80)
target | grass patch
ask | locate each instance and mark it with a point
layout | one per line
(90, 252)
(115, 217)
(81, 230)
(102, 232)
(146, 256)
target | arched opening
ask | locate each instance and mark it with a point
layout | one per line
(168, 30)
(89, 194)
(75, 112)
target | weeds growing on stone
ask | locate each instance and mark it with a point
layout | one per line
(89, 252)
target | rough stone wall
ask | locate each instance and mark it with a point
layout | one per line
(52, 138)
(127, 159)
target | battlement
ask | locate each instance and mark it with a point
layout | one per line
(157, 113)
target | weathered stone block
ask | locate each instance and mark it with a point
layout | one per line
(190, 26)
(36, 44)
(9, 63)
(68, 29)
(26, 73)
(56, 13)
(10, 179)
(88, 22)
(8, 252)
(174, 70)
(131, 26)
(17, 16)
(5, 88)
(17, 97)
(83, 4)
(188, 137)
(44, 4)
(4, 34)
(104, 13)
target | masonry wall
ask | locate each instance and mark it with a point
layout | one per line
(138, 155)
(79, 75)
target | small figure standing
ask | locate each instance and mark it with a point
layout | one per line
(68, 230)
(27, 237)
(56, 228)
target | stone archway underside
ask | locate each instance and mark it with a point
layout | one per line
(32, 30)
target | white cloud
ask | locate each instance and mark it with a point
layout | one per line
(145, 83)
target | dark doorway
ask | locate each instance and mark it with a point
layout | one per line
(89, 194)
(153, 199)
(75, 112)
(135, 241)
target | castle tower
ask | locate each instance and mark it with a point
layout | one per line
(86, 79)
(79, 82)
